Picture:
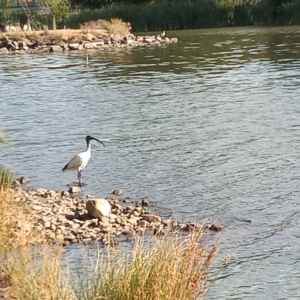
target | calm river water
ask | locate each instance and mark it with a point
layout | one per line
(206, 129)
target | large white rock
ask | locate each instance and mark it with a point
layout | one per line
(98, 207)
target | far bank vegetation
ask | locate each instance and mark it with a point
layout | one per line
(146, 15)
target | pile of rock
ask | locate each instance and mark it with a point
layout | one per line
(59, 216)
(46, 44)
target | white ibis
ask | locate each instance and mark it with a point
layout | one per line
(163, 34)
(79, 161)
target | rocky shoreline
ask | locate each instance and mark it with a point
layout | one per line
(22, 44)
(62, 217)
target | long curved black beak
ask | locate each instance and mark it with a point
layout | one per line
(97, 140)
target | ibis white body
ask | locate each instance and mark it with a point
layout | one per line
(79, 161)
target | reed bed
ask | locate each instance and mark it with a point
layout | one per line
(173, 15)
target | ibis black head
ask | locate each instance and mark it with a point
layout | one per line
(89, 138)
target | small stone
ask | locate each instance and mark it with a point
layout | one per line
(75, 226)
(60, 237)
(52, 193)
(215, 227)
(23, 179)
(93, 45)
(75, 190)
(174, 40)
(144, 203)
(133, 220)
(143, 223)
(40, 191)
(47, 224)
(75, 46)
(121, 221)
(151, 218)
(117, 192)
(136, 213)
(65, 194)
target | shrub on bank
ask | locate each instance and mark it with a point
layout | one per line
(156, 16)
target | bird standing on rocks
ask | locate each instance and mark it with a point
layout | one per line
(79, 161)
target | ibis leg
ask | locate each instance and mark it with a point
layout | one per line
(79, 177)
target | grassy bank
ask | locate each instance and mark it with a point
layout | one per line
(176, 14)
(168, 267)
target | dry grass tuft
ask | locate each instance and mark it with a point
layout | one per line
(170, 268)
(114, 26)
(16, 36)
(16, 222)
(78, 38)
(37, 273)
